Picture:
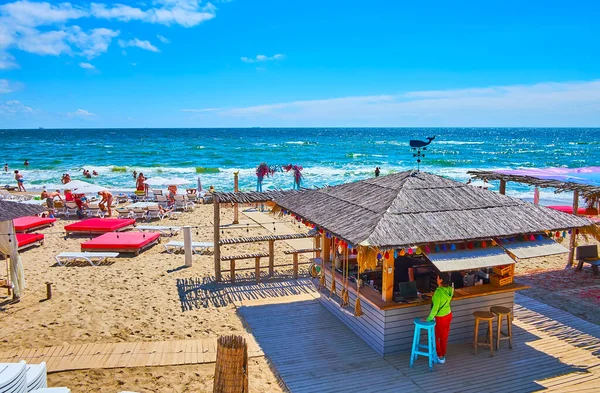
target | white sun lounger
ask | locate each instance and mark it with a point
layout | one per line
(197, 247)
(164, 230)
(51, 390)
(64, 258)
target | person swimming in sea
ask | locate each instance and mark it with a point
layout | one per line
(94, 173)
(26, 163)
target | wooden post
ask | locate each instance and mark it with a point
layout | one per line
(575, 202)
(271, 257)
(232, 270)
(231, 367)
(257, 268)
(295, 268)
(217, 237)
(48, 290)
(235, 205)
(502, 186)
(571, 258)
(387, 276)
(318, 245)
(187, 245)
(326, 248)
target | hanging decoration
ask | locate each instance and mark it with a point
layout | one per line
(297, 170)
(262, 171)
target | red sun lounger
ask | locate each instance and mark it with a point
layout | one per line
(98, 226)
(133, 242)
(26, 240)
(31, 223)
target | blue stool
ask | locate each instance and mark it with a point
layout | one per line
(417, 347)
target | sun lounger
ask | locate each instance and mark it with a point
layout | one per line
(95, 226)
(52, 390)
(182, 202)
(93, 210)
(155, 212)
(128, 242)
(32, 223)
(164, 230)
(138, 213)
(64, 258)
(26, 240)
(197, 247)
(70, 208)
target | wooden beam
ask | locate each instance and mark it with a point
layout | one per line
(235, 205)
(318, 245)
(502, 186)
(326, 247)
(387, 278)
(295, 266)
(571, 257)
(271, 258)
(217, 237)
(257, 268)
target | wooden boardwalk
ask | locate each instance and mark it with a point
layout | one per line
(552, 350)
(127, 354)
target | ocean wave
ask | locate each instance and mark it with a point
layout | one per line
(457, 142)
(200, 169)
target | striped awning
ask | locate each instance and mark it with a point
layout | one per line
(533, 248)
(470, 259)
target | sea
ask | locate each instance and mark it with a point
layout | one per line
(328, 156)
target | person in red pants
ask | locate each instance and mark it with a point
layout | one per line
(440, 310)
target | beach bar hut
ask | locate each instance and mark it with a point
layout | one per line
(369, 225)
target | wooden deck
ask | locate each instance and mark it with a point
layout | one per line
(552, 350)
(118, 355)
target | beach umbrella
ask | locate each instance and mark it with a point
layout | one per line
(199, 184)
(8, 239)
(161, 181)
(82, 187)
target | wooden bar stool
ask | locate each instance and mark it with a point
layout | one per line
(503, 312)
(488, 317)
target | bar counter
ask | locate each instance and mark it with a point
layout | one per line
(388, 326)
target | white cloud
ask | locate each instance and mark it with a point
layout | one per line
(124, 52)
(162, 39)
(81, 113)
(134, 64)
(260, 58)
(87, 66)
(13, 107)
(45, 28)
(542, 104)
(146, 45)
(28, 13)
(7, 86)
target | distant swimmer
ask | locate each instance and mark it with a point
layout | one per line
(5, 167)
(94, 173)
(26, 163)
(377, 171)
(134, 174)
(20, 181)
(65, 178)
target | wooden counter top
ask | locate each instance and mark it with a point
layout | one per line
(374, 297)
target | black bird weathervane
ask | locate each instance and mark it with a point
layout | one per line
(417, 146)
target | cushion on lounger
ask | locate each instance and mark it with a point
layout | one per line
(120, 240)
(25, 223)
(99, 224)
(24, 239)
(569, 209)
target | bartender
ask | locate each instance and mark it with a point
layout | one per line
(403, 269)
(458, 279)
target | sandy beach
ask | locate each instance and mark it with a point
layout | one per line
(131, 299)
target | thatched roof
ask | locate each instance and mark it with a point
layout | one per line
(586, 190)
(9, 210)
(251, 196)
(412, 208)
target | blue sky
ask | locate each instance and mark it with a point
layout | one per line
(188, 63)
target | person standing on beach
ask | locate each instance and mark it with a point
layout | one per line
(139, 183)
(20, 181)
(377, 171)
(107, 199)
(440, 310)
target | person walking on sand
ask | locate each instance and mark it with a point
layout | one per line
(440, 310)
(20, 181)
(107, 199)
(377, 171)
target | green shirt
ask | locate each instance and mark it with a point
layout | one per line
(440, 302)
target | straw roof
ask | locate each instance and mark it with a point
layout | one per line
(251, 196)
(412, 208)
(586, 190)
(10, 210)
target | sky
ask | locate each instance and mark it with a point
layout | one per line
(273, 63)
